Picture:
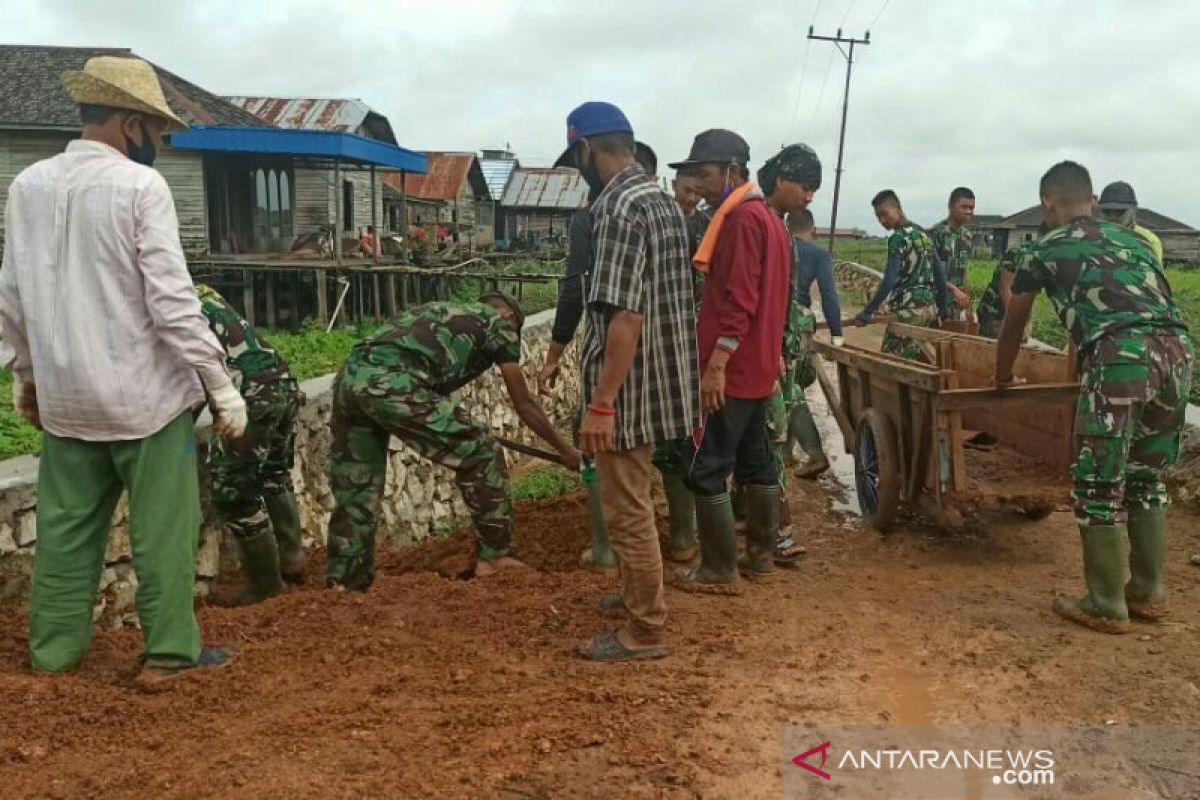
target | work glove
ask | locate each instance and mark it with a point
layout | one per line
(229, 412)
(25, 402)
(838, 341)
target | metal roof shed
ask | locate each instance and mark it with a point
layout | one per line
(313, 148)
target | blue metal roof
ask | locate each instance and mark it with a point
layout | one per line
(314, 144)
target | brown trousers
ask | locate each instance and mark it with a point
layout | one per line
(625, 481)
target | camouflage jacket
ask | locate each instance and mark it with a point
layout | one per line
(954, 249)
(250, 358)
(697, 226)
(448, 343)
(914, 286)
(991, 305)
(1102, 280)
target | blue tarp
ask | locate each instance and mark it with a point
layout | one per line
(313, 144)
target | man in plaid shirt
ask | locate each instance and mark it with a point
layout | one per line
(640, 378)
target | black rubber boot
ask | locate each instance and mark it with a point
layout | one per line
(681, 517)
(285, 520)
(717, 571)
(762, 527)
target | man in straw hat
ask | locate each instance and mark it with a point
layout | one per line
(112, 356)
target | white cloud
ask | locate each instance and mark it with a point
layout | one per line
(978, 93)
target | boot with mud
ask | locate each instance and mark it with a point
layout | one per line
(1103, 607)
(285, 520)
(1145, 594)
(681, 518)
(260, 565)
(802, 429)
(717, 572)
(600, 555)
(762, 527)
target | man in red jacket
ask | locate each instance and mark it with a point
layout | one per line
(747, 252)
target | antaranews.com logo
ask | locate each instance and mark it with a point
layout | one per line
(1007, 767)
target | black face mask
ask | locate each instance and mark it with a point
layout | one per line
(589, 173)
(143, 153)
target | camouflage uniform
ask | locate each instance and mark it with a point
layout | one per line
(953, 247)
(913, 299)
(990, 310)
(252, 476)
(399, 382)
(1135, 361)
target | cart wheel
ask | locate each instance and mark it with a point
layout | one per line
(877, 469)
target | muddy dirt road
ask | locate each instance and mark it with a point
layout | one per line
(427, 687)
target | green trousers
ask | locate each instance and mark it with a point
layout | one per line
(79, 484)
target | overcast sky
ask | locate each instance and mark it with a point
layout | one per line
(984, 94)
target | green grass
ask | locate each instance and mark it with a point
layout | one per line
(312, 352)
(544, 483)
(534, 297)
(17, 437)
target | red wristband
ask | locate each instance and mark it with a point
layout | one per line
(604, 411)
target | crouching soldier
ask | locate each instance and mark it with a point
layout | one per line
(252, 476)
(399, 382)
(1135, 362)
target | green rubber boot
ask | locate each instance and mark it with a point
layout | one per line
(1145, 594)
(1103, 607)
(717, 572)
(681, 517)
(802, 429)
(762, 526)
(285, 520)
(600, 555)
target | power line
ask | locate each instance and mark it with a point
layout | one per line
(849, 6)
(803, 71)
(880, 14)
(838, 41)
(820, 94)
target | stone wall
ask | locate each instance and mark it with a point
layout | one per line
(419, 499)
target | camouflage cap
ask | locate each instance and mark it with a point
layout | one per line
(797, 163)
(508, 300)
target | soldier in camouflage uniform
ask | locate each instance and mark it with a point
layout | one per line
(400, 382)
(952, 240)
(989, 313)
(252, 476)
(1135, 361)
(913, 271)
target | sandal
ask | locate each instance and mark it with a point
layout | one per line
(607, 647)
(788, 550)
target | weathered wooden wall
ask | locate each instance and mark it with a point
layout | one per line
(316, 196)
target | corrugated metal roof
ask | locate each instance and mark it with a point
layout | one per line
(443, 176)
(314, 114)
(497, 171)
(323, 144)
(546, 188)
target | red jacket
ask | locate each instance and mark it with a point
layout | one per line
(746, 297)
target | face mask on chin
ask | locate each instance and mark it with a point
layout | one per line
(589, 173)
(143, 153)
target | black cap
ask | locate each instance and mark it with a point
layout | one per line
(1118, 195)
(508, 300)
(716, 146)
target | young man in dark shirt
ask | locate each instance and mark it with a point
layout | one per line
(747, 254)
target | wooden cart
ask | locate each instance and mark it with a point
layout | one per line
(915, 429)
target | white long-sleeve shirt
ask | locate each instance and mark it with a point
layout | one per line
(97, 307)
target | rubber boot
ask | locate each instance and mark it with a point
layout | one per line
(260, 565)
(762, 527)
(1145, 595)
(717, 571)
(285, 520)
(1103, 607)
(681, 517)
(803, 429)
(600, 555)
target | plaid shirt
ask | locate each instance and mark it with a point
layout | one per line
(642, 265)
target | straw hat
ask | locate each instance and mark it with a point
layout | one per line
(118, 82)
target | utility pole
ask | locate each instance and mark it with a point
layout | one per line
(839, 40)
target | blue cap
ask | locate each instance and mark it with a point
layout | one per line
(594, 118)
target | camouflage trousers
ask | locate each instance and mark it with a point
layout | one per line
(260, 463)
(373, 403)
(1128, 420)
(905, 347)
